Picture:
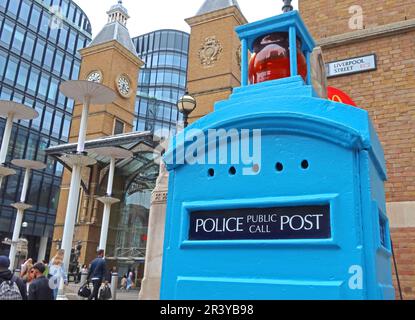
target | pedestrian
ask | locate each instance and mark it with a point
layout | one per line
(57, 271)
(129, 280)
(97, 274)
(39, 289)
(28, 279)
(46, 274)
(11, 287)
(124, 282)
(84, 270)
(25, 268)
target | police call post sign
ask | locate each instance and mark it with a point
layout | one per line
(277, 223)
(353, 65)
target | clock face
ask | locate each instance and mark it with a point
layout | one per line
(124, 86)
(95, 76)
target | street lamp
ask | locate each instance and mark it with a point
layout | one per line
(287, 6)
(186, 105)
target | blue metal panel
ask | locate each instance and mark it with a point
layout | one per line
(345, 171)
(293, 51)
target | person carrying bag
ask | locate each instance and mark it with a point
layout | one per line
(105, 292)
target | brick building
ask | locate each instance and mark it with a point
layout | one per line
(347, 29)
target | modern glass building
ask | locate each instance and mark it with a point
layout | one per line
(163, 79)
(38, 50)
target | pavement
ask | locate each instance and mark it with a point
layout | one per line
(71, 292)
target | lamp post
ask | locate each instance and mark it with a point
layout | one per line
(88, 93)
(186, 105)
(287, 6)
(21, 206)
(113, 153)
(11, 111)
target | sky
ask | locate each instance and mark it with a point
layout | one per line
(150, 15)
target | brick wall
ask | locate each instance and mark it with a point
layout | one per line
(389, 96)
(404, 244)
(333, 15)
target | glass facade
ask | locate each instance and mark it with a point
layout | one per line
(162, 81)
(38, 50)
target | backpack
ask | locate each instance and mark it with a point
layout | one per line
(10, 291)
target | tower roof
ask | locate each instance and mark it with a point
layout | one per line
(116, 28)
(213, 5)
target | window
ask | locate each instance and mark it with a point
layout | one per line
(23, 74)
(18, 40)
(28, 46)
(24, 12)
(81, 43)
(170, 40)
(18, 152)
(31, 148)
(3, 4)
(44, 25)
(64, 7)
(61, 100)
(11, 70)
(2, 63)
(58, 62)
(75, 71)
(45, 192)
(40, 47)
(6, 34)
(53, 90)
(71, 42)
(66, 128)
(47, 120)
(35, 183)
(5, 94)
(33, 79)
(43, 86)
(71, 13)
(118, 127)
(49, 57)
(63, 35)
(37, 121)
(67, 68)
(34, 18)
(57, 123)
(13, 7)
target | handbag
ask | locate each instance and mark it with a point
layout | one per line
(84, 291)
(105, 293)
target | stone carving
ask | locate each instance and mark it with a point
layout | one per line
(159, 197)
(210, 51)
(239, 55)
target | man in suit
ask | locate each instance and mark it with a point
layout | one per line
(39, 289)
(97, 274)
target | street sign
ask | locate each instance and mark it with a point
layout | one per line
(277, 223)
(7, 242)
(352, 65)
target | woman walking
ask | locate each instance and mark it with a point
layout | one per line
(57, 271)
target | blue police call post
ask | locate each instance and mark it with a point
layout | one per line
(302, 215)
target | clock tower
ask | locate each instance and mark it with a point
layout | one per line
(110, 59)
